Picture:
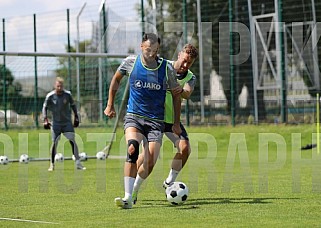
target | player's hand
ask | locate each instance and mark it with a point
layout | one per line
(46, 124)
(177, 90)
(176, 128)
(110, 111)
(76, 121)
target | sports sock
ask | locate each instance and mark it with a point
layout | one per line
(138, 183)
(129, 183)
(53, 153)
(74, 148)
(172, 176)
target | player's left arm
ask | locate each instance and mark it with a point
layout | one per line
(188, 88)
(73, 105)
(74, 109)
(177, 113)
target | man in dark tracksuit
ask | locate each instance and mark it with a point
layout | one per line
(60, 103)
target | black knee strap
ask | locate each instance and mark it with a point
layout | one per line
(132, 158)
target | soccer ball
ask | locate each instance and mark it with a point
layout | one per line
(177, 193)
(101, 155)
(4, 160)
(59, 157)
(24, 158)
(82, 156)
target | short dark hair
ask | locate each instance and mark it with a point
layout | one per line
(152, 37)
(190, 50)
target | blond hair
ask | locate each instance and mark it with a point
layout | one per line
(60, 80)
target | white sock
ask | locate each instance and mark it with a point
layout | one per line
(172, 176)
(138, 183)
(129, 183)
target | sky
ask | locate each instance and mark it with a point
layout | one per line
(51, 27)
(51, 24)
(14, 8)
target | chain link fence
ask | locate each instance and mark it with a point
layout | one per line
(248, 72)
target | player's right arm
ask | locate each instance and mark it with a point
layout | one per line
(45, 106)
(125, 68)
(114, 85)
(46, 123)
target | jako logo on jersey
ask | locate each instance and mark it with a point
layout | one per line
(147, 85)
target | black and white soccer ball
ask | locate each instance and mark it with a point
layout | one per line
(82, 156)
(59, 157)
(101, 155)
(177, 193)
(4, 160)
(24, 158)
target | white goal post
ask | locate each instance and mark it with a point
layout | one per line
(60, 54)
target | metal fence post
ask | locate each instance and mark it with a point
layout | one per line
(69, 50)
(4, 75)
(281, 66)
(232, 64)
(36, 72)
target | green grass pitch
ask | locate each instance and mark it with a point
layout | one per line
(246, 176)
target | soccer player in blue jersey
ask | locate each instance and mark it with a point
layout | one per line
(60, 103)
(187, 80)
(149, 78)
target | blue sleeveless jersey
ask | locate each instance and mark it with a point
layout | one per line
(147, 90)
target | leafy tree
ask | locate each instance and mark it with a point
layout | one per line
(88, 77)
(13, 88)
(69, 66)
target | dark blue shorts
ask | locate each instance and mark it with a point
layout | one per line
(66, 129)
(152, 130)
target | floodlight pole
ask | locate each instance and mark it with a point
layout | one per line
(77, 50)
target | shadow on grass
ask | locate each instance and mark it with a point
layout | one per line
(195, 203)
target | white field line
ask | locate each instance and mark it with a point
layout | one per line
(25, 220)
